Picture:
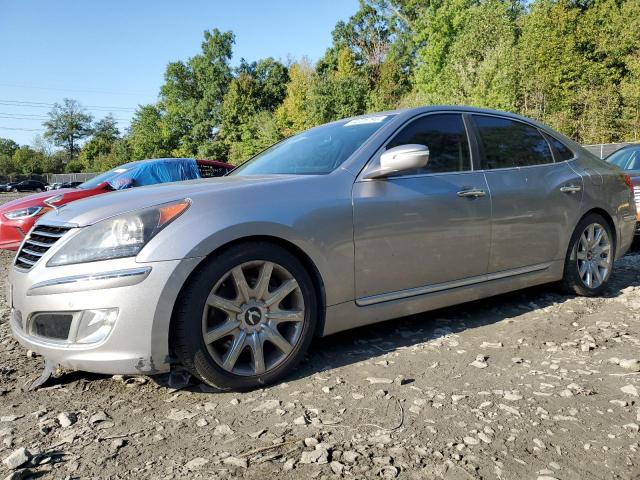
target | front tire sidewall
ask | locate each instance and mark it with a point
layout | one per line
(571, 282)
(188, 339)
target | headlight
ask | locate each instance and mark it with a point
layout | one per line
(118, 237)
(23, 213)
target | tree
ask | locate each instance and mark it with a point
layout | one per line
(105, 135)
(28, 161)
(293, 115)
(8, 147)
(150, 134)
(67, 125)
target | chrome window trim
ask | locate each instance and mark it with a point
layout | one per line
(380, 150)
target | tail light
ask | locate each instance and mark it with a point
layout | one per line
(627, 180)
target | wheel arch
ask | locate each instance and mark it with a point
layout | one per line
(292, 248)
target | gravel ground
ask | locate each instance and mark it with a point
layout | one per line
(529, 385)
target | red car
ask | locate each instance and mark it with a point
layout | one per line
(17, 217)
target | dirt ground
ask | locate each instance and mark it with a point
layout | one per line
(529, 385)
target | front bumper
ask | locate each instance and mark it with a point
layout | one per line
(12, 232)
(138, 341)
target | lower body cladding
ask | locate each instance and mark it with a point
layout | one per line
(110, 321)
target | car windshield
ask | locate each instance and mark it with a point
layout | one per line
(314, 152)
(626, 159)
(106, 176)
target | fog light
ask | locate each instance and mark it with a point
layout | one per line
(95, 325)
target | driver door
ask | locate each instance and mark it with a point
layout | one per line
(424, 228)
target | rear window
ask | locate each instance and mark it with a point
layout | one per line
(506, 143)
(562, 152)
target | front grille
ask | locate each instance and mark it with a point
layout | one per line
(39, 241)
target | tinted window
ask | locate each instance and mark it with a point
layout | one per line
(561, 151)
(446, 138)
(506, 143)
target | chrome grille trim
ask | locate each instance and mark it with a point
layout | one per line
(40, 239)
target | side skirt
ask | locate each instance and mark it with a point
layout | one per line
(368, 310)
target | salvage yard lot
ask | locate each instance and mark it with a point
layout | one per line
(526, 385)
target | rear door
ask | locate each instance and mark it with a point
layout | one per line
(422, 229)
(535, 200)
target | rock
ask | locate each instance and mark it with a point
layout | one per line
(389, 471)
(236, 462)
(202, 422)
(310, 442)
(631, 364)
(117, 444)
(376, 380)
(337, 467)
(98, 417)
(197, 463)
(67, 419)
(478, 364)
(350, 456)
(313, 456)
(178, 415)
(508, 409)
(630, 389)
(471, 441)
(17, 458)
(484, 437)
(512, 397)
(266, 406)
(539, 443)
(302, 420)
(491, 345)
(632, 426)
(222, 430)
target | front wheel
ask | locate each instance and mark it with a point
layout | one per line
(245, 318)
(14, 190)
(589, 261)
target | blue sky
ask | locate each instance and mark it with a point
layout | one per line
(113, 53)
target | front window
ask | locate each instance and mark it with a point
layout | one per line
(314, 152)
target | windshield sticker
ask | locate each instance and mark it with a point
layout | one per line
(366, 120)
(120, 170)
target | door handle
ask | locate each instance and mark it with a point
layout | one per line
(472, 193)
(570, 189)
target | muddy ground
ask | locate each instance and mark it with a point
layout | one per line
(529, 385)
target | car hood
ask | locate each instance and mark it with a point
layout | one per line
(92, 210)
(37, 199)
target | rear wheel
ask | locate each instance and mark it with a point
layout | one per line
(245, 318)
(38, 190)
(589, 261)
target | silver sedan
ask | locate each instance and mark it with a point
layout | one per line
(344, 225)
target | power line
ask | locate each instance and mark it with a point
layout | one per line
(23, 129)
(59, 89)
(24, 103)
(26, 116)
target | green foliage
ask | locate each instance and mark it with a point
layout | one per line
(572, 64)
(68, 124)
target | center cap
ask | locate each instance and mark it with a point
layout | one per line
(253, 316)
(589, 255)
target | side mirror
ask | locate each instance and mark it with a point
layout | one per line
(400, 159)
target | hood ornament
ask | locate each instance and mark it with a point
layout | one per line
(50, 202)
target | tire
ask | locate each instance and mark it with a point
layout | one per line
(584, 258)
(38, 190)
(204, 309)
(14, 190)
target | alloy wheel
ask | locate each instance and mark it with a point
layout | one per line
(593, 255)
(253, 318)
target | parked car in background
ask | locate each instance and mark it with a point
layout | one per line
(54, 186)
(17, 217)
(347, 224)
(28, 186)
(70, 184)
(8, 187)
(628, 160)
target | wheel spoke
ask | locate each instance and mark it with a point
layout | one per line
(581, 255)
(598, 236)
(255, 344)
(589, 277)
(583, 268)
(223, 304)
(273, 336)
(584, 242)
(221, 331)
(241, 284)
(603, 262)
(590, 234)
(597, 276)
(275, 297)
(234, 352)
(280, 316)
(262, 285)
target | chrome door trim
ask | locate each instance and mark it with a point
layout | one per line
(412, 292)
